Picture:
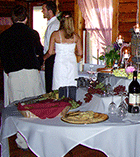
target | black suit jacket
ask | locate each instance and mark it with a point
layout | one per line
(20, 47)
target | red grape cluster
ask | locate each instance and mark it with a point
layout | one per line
(91, 90)
(79, 102)
(119, 89)
(88, 97)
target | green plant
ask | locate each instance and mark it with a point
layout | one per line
(111, 54)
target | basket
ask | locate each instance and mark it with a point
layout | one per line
(29, 114)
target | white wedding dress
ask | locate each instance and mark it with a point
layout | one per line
(65, 66)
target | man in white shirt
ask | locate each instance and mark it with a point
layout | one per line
(49, 11)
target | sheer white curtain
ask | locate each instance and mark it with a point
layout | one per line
(98, 21)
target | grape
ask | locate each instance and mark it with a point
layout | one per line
(119, 89)
(120, 73)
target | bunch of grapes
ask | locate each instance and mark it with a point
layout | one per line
(95, 90)
(119, 89)
(91, 91)
(88, 97)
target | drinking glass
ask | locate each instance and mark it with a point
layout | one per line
(108, 85)
(92, 72)
(122, 108)
(112, 106)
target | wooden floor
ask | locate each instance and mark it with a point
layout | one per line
(79, 151)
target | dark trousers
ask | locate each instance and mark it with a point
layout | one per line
(49, 73)
(68, 92)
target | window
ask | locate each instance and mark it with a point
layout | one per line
(98, 23)
(39, 23)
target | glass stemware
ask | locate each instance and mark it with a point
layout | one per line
(112, 106)
(122, 108)
(92, 74)
(108, 85)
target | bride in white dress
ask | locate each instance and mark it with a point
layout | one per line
(63, 42)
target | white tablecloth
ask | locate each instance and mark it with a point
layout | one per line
(53, 137)
(116, 81)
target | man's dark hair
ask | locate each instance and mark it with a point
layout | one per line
(50, 5)
(19, 13)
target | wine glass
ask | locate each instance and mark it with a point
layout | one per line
(108, 85)
(112, 106)
(91, 66)
(123, 107)
(91, 73)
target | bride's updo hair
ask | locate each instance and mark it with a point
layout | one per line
(67, 24)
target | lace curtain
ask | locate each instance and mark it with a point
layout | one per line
(98, 21)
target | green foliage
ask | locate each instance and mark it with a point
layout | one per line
(110, 57)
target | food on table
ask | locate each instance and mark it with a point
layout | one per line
(84, 117)
(119, 89)
(74, 104)
(52, 95)
(88, 97)
(97, 88)
(44, 109)
(120, 73)
(130, 76)
(26, 107)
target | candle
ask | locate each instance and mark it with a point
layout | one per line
(137, 28)
(126, 54)
(120, 40)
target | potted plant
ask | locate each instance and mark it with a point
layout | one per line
(110, 55)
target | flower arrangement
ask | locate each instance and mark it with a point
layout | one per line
(111, 54)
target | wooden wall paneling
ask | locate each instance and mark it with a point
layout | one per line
(127, 1)
(115, 22)
(66, 5)
(126, 26)
(79, 23)
(127, 7)
(127, 17)
(6, 7)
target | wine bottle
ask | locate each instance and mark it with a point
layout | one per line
(134, 95)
